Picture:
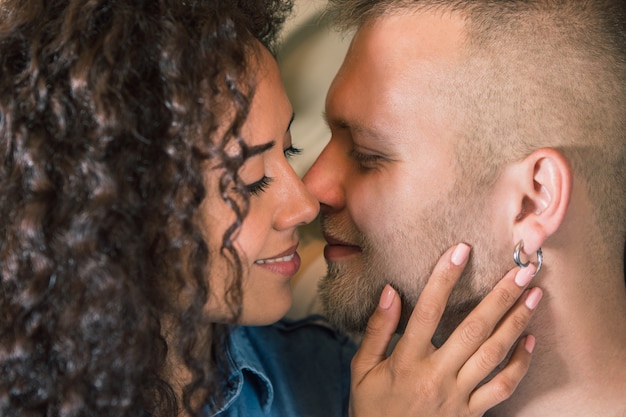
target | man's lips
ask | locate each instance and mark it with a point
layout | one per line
(337, 249)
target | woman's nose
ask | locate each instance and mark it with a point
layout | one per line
(297, 206)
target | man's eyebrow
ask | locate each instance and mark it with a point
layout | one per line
(325, 118)
(354, 127)
(258, 149)
(340, 123)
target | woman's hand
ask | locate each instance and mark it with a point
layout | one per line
(418, 379)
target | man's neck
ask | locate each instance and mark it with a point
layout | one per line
(579, 363)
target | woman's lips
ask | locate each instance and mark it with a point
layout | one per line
(286, 263)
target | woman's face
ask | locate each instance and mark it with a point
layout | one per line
(279, 203)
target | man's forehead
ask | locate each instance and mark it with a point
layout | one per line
(397, 55)
(427, 34)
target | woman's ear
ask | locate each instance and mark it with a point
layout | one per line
(543, 195)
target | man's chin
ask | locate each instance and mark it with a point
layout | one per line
(347, 298)
(348, 315)
(346, 319)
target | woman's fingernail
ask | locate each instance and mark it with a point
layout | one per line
(460, 254)
(533, 298)
(524, 275)
(386, 298)
(529, 343)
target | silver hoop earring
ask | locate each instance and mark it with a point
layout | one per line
(518, 262)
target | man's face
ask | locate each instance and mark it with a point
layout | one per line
(388, 182)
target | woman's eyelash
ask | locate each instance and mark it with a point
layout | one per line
(292, 151)
(259, 186)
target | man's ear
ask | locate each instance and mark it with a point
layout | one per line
(543, 191)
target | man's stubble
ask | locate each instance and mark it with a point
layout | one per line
(405, 255)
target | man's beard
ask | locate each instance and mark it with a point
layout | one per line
(405, 257)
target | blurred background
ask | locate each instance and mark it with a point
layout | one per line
(309, 57)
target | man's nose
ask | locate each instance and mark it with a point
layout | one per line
(325, 178)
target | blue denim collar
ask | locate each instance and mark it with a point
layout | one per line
(244, 359)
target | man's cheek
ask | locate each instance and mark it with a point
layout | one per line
(371, 211)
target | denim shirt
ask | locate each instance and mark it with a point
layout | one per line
(292, 368)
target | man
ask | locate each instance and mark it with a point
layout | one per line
(497, 123)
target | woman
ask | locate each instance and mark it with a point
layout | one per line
(148, 206)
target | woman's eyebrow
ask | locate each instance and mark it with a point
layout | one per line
(258, 149)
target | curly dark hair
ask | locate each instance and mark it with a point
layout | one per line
(110, 110)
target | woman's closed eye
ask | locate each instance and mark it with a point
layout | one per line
(259, 186)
